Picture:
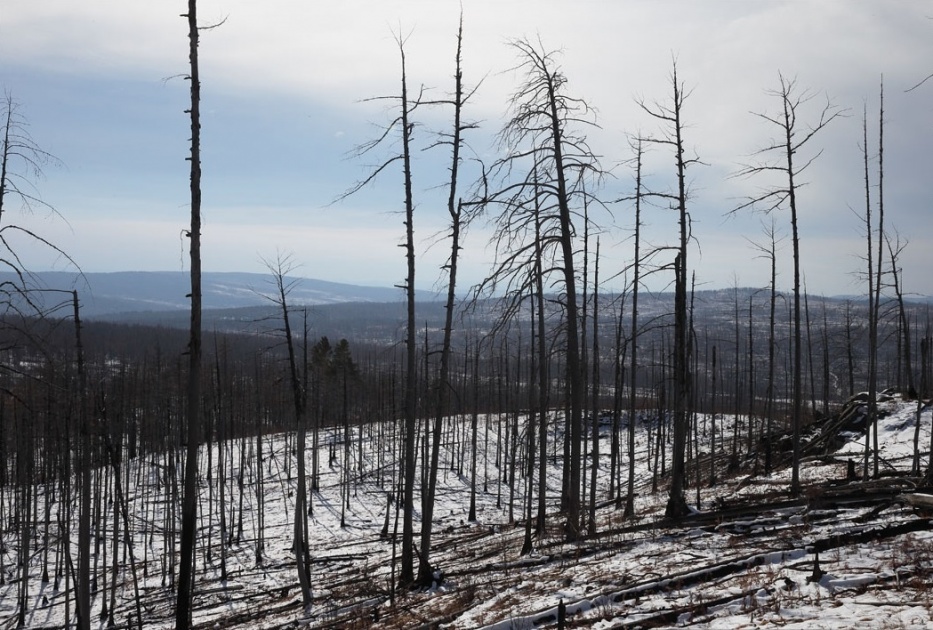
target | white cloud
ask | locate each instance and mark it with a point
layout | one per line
(324, 57)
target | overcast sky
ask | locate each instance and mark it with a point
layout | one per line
(284, 85)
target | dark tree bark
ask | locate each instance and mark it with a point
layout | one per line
(442, 385)
(594, 467)
(543, 376)
(671, 117)
(785, 165)
(540, 142)
(474, 421)
(407, 573)
(283, 286)
(894, 252)
(405, 127)
(190, 505)
(876, 313)
(83, 577)
(629, 511)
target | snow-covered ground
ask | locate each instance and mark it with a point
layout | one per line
(746, 558)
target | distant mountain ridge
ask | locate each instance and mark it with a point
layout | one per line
(140, 291)
(112, 294)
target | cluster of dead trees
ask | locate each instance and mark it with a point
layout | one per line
(543, 196)
(135, 402)
(563, 363)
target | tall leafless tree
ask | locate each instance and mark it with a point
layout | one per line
(22, 163)
(768, 251)
(543, 145)
(280, 269)
(629, 511)
(190, 505)
(442, 385)
(670, 116)
(781, 158)
(83, 577)
(403, 125)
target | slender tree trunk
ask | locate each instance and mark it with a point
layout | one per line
(712, 434)
(83, 578)
(633, 365)
(574, 368)
(872, 402)
(850, 354)
(454, 209)
(876, 316)
(407, 572)
(797, 381)
(543, 377)
(594, 468)
(677, 503)
(474, 421)
(786, 195)
(530, 443)
(769, 396)
(826, 372)
(736, 388)
(190, 506)
(810, 371)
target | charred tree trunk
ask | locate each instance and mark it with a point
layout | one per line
(190, 506)
(442, 386)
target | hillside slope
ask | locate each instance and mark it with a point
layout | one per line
(845, 555)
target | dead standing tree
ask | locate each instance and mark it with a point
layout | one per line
(455, 210)
(780, 158)
(283, 286)
(22, 163)
(553, 161)
(670, 116)
(874, 290)
(189, 505)
(769, 251)
(403, 125)
(640, 260)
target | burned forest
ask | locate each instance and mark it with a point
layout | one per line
(596, 430)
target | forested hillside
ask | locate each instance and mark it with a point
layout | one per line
(600, 374)
(495, 519)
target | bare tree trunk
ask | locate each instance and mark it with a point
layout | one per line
(850, 355)
(671, 116)
(769, 402)
(750, 353)
(736, 388)
(872, 401)
(797, 381)
(897, 285)
(474, 420)
(543, 377)
(190, 506)
(826, 372)
(574, 368)
(280, 269)
(810, 371)
(83, 578)
(454, 210)
(712, 434)
(594, 467)
(407, 573)
(881, 236)
(633, 366)
(790, 145)
(532, 419)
